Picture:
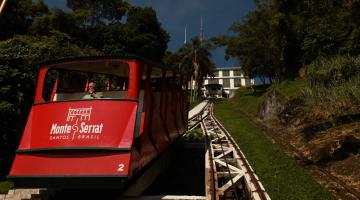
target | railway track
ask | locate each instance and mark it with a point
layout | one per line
(227, 172)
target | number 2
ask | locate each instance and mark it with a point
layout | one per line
(120, 167)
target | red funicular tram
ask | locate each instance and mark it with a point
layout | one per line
(70, 141)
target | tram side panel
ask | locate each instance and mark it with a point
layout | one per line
(146, 143)
(178, 111)
(159, 132)
(73, 139)
(183, 105)
(169, 116)
(174, 106)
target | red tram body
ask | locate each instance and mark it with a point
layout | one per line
(73, 142)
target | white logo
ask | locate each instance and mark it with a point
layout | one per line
(69, 130)
(83, 113)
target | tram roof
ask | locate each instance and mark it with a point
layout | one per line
(92, 63)
(94, 58)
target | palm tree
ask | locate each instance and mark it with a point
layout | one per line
(195, 60)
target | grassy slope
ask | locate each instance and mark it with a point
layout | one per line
(5, 186)
(280, 174)
(248, 99)
(290, 88)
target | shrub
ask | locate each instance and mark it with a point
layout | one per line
(333, 87)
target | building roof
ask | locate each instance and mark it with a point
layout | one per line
(227, 68)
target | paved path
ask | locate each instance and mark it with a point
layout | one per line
(197, 109)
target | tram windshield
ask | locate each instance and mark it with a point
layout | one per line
(70, 81)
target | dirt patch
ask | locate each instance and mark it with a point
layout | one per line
(347, 170)
(336, 143)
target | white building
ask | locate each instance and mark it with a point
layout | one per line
(231, 78)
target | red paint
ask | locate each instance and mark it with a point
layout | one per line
(96, 123)
(71, 164)
(40, 85)
(133, 90)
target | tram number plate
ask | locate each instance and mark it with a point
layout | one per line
(120, 168)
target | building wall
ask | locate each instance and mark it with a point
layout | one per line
(227, 77)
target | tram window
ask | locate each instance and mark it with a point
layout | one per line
(49, 84)
(72, 81)
(143, 78)
(101, 81)
(156, 84)
(120, 83)
(178, 83)
(156, 79)
(72, 85)
(169, 81)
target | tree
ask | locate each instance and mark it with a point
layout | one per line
(116, 27)
(18, 15)
(18, 57)
(144, 34)
(195, 59)
(255, 47)
(55, 20)
(281, 36)
(95, 12)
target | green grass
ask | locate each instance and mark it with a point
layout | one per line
(279, 173)
(195, 135)
(5, 186)
(248, 99)
(290, 88)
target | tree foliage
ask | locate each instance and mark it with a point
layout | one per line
(18, 16)
(32, 33)
(281, 36)
(99, 12)
(18, 71)
(145, 35)
(193, 59)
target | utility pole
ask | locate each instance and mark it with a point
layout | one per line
(2, 6)
(201, 36)
(185, 33)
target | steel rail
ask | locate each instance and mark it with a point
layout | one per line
(195, 120)
(212, 186)
(228, 171)
(251, 182)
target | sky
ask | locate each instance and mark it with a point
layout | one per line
(175, 15)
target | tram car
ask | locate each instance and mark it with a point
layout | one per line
(71, 140)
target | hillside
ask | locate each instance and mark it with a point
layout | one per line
(322, 132)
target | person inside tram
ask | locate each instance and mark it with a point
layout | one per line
(92, 94)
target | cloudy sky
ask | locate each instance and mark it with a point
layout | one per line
(174, 15)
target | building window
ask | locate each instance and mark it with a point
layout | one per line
(226, 83)
(213, 81)
(216, 73)
(237, 72)
(237, 82)
(226, 73)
